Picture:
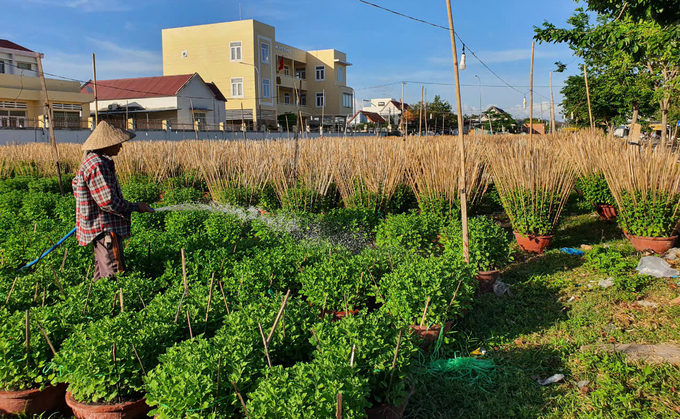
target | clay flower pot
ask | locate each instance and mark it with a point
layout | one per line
(533, 244)
(430, 334)
(137, 409)
(339, 315)
(486, 280)
(606, 212)
(32, 402)
(657, 245)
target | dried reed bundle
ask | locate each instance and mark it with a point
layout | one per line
(434, 169)
(368, 170)
(645, 181)
(37, 159)
(533, 183)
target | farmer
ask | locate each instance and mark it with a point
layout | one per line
(102, 215)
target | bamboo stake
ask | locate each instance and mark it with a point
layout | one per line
(56, 279)
(224, 298)
(139, 359)
(63, 261)
(94, 84)
(115, 365)
(191, 333)
(47, 339)
(28, 336)
(141, 299)
(89, 289)
(427, 304)
(394, 360)
(184, 275)
(338, 409)
(35, 295)
(264, 342)
(179, 308)
(316, 339)
(121, 300)
(461, 139)
(207, 310)
(240, 398)
(590, 111)
(552, 108)
(278, 317)
(12, 289)
(217, 390)
(422, 103)
(351, 359)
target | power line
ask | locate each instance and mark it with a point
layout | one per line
(448, 30)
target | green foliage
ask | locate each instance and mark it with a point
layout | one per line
(336, 283)
(416, 232)
(375, 339)
(611, 260)
(654, 214)
(595, 189)
(489, 243)
(176, 196)
(408, 287)
(438, 206)
(141, 189)
(532, 213)
(309, 390)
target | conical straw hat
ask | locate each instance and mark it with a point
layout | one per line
(106, 135)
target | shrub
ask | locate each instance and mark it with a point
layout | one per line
(611, 260)
(141, 189)
(309, 390)
(653, 214)
(338, 282)
(224, 230)
(412, 231)
(595, 189)
(533, 213)
(376, 340)
(408, 287)
(183, 195)
(438, 205)
(489, 243)
(40, 206)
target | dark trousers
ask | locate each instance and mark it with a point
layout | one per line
(108, 255)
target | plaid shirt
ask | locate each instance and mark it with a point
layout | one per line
(100, 206)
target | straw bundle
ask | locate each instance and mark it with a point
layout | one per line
(645, 181)
(533, 183)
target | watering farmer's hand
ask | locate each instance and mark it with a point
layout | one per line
(145, 207)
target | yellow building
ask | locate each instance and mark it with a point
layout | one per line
(21, 97)
(259, 75)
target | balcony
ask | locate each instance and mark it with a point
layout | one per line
(290, 82)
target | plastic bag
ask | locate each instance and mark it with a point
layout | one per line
(657, 267)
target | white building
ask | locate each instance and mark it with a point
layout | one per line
(386, 107)
(148, 101)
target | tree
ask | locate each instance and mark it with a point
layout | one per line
(436, 109)
(629, 43)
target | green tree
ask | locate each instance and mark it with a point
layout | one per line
(436, 109)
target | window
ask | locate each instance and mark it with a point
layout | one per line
(320, 100)
(264, 53)
(14, 119)
(381, 103)
(24, 66)
(235, 51)
(347, 100)
(303, 100)
(266, 93)
(340, 74)
(201, 119)
(286, 98)
(301, 74)
(237, 87)
(66, 119)
(2, 67)
(286, 70)
(320, 72)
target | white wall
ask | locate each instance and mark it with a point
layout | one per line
(198, 94)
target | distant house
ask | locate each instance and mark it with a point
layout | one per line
(363, 117)
(387, 108)
(21, 96)
(148, 101)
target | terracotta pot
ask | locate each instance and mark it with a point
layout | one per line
(32, 402)
(486, 280)
(657, 245)
(431, 334)
(338, 315)
(533, 244)
(606, 211)
(137, 409)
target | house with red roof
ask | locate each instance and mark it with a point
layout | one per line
(388, 108)
(21, 97)
(178, 102)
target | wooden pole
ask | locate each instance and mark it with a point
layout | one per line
(427, 305)
(590, 111)
(12, 289)
(184, 275)
(552, 107)
(401, 117)
(461, 140)
(278, 317)
(207, 310)
(427, 128)
(94, 85)
(28, 335)
(422, 103)
(338, 408)
(264, 342)
(47, 339)
(531, 97)
(48, 112)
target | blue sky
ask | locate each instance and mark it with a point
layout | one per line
(384, 48)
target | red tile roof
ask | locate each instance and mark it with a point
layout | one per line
(4, 43)
(397, 104)
(372, 116)
(138, 88)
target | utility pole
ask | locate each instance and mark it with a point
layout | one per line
(552, 108)
(531, 97)
(480, 101)
(425, 105)
(461, 139)
(401, 117)
(323, 108)
(422, 103)
(94, 81)
(50, 115)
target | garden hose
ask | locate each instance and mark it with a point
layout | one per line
(63, 239)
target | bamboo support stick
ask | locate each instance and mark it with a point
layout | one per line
(49, 113)
(264, 342)
(207, 310)
(35, 295)
(590, 111)
(278, 317)
(394, 360)
(87, 299)
(179, 308)
(120, 290)
(316, 339)
(11, 290)
(28, 335)
(56, 279)
(224, 298)
(191, 333)
(139, 359)
(141, 299)
(338, 408)
(531, 97)
(240, 398)
(351, 358)
(63, 261)
(47, 339)
(184, 275)
(427, 304)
